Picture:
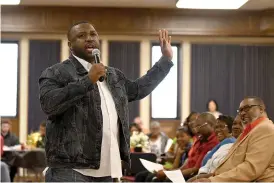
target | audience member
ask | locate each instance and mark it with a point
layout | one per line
(158, 140)
(183, 136)
(139, 122)
(41, 140)
(10, 140)
(5, 177)
(251, 158)
(223, 130)
(212, 107)
(134, 128)
(204, 127)
(237, 127)
(191, 117)
(212, 160)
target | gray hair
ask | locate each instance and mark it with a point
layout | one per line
(155, 124)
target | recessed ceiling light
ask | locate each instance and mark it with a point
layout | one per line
(210, 4)
(9, 2)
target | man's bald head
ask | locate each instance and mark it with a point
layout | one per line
(209, 118)
(204, 125)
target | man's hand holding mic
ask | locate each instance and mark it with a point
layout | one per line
(98, 70)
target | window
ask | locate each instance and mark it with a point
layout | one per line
(8, 78)
(164, 99)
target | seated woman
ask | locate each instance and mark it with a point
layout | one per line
(212, 160)
(183, 136)
(188, 123)
(158, 140)
(237, 127)
(212, 107)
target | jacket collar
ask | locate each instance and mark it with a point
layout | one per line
(80, 70)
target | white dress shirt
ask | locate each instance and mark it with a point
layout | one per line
(110, 164)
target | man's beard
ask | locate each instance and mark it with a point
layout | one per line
(81, 54)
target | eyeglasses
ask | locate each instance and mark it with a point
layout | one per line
(246, 108)
(199, 127)
(221, 127)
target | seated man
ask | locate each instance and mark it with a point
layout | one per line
(10, 140)
(5, 176)
(204, 126)
(251, 158)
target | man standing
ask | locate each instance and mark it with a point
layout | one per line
(87, 132)
(251, 158)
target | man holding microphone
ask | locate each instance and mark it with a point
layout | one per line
(87, 133)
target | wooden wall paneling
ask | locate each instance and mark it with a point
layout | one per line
(169, 127)
(267, 23)
(133, 21)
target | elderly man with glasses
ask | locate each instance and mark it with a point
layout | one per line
(251, 158)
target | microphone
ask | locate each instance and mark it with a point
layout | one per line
(96, 54)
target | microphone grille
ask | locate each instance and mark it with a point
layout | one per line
(95, 52)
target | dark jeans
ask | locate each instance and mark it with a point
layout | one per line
(144, 176)
(70, 175)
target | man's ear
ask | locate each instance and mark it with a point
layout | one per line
(261, 109)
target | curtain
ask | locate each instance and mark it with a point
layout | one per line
(228, 73)
(42, 54)
(125, 56)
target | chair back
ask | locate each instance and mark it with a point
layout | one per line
(136, 165)
(34, 159)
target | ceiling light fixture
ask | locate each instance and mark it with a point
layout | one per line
(9, 2)
(210, 4)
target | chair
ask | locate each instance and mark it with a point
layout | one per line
(34, 161)
(136, 165)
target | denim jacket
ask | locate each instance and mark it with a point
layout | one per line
(73, 106)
